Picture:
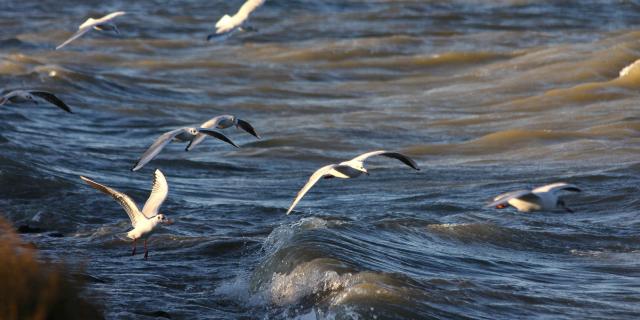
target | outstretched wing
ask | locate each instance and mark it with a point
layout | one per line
(83, 29)
(156, 147)
(406, 160)
(218, 135)
(248, 7)
(556, 187)
(213, 122)
(312, 180)
(246, 126)
(159, 191)
(129, 206)
(110, 16)
(526, 195)
(50, 97)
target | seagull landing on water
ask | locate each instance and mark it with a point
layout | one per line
(348, 169)
(101, 24)
(545, 198)
(144, 222)
(228, 24)
(223, 122)
(182, 134)
(19, 96)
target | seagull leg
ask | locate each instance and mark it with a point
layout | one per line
(133, 252)
(146, 252)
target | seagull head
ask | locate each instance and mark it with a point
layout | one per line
(363, 170)
(162, 219)
(501, 206)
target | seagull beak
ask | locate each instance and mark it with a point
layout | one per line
(501, 206)
(168, 222)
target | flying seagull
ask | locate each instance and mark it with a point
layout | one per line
(348, 169)
(542, 198)
(222, 122)
(144, 222)
(182, 134)
(18, 96)
(102, 24)
(227, 24)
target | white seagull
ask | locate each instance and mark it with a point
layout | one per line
(18, 96)
(144, 222)
(182, 134)
(227, 24)
(348, 169)
(222, 122)
(101, 24)
(541, 198)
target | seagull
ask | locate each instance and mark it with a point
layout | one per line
(102, 24)
(541, 198)
(228, 24)
(182, 134)
(348, 169)
(144, 222)
(223, 122)
(18, 96)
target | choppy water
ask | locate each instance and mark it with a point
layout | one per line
(487, 97)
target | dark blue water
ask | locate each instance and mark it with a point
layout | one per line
(486, 97)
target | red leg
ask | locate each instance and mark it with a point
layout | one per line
(133, 252)
(146, 252)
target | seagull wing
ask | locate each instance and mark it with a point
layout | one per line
(129, 206)
(526, 195)
(156, 147)
(248, 7)
(216, 134)
(50, 97)
(83, 29)
(312, 180)
(110, 17)
(406, 160)
(246, 126)
(159, 191)
(7, 95)
(556, 187)
(213, 122)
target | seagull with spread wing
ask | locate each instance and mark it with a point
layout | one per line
(101, 24)
(19, 96)
(545, 198)
(182, 134)
(228, 24)
(223, 122)
(144, 222)
(348, 169)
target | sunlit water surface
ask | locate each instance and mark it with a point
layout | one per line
(487, 97)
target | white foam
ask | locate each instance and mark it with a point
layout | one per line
(628, 69)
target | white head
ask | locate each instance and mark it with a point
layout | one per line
(360, 167)
(192, 131)
(160, 218)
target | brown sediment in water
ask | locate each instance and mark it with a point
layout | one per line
(33, 289)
